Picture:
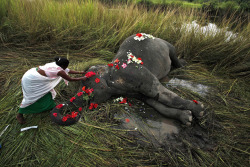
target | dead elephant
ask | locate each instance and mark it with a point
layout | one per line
(142, 60)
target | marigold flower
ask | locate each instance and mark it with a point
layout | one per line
(55, 114)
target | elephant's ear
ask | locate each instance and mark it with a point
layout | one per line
(70, 119)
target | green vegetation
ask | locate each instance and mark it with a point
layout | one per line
(88, 33)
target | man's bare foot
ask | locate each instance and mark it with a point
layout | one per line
(20, 118)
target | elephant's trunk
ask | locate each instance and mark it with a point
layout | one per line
(73, 108)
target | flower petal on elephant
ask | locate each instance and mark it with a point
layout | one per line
(117, 61)
(55, 114)
(64, 119)
(111, 65)
(97, 80)
(124, 65)
(80, 93)
(80, 108)
(139, 35)
(72, 99)
(59, 106)
(83, 88)
(90, 74)
(117, 67)
(195, 101)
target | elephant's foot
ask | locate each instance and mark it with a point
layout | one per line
(185, 116)
(197, 109)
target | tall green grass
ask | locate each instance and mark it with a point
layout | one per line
(91, 33)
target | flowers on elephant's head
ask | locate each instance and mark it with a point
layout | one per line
(142, 36)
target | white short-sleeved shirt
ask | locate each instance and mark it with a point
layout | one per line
(51, 69)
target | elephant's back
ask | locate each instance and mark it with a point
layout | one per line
(153, 52)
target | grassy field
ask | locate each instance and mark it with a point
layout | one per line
(88, 33)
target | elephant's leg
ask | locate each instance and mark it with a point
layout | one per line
(185, 116)
(150, 86)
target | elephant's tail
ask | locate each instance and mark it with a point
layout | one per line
(175, 62)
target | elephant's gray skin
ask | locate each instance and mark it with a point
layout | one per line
(142, 81)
